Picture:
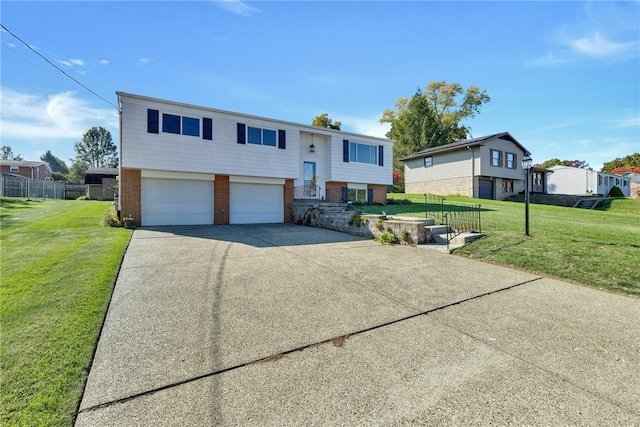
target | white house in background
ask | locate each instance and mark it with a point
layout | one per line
(578, 181)
(187, 164)
(488, 167)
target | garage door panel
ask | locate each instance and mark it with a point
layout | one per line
(176, 202)
(256, 203)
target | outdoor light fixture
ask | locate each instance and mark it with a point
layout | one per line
(526, 165)
(312, 148)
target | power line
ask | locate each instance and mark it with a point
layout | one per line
(56, 67)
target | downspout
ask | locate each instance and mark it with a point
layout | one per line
(473, 169)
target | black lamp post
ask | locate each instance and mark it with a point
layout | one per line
(526, 165)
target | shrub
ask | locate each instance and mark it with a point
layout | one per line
(355, 220)
(110, 217)
(399, 202)
(380, 224)
(85, 197)
(615, 192)
(386, 238)
(404, 236)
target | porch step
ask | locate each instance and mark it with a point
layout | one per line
(437, 239)
(589, 203)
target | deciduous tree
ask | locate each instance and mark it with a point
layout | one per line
(6, 153)
(626, 161)
(432, 118)
(96, 149)
(323, 121)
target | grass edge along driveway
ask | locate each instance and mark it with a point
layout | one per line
(59, 265)
(599, 248)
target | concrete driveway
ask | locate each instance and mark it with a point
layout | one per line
(273, 325)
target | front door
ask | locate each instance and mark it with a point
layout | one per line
(309, 178)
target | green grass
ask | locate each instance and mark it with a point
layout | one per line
(59, 264)
(598, 247)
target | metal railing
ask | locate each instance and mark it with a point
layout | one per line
(462, 219)
(435, 205)
(307, 192)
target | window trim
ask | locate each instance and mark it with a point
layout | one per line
(190, 126)
(492, 158)
(169, 121)
(428, 164)
(13, 168)
(514, 163)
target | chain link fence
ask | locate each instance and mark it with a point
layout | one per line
(17, 186)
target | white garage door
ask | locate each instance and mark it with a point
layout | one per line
(176, 202)
(256, 203)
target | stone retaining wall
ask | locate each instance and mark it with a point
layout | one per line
(335, 217)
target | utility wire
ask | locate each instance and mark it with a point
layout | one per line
(11, 48)
(56, 67)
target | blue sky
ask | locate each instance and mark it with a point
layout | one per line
(564, 77)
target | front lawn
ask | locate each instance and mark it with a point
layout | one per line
(59, 264)
(595, 247)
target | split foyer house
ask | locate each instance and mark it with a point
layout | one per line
(579, 181)
(488, 168)
(186, 164)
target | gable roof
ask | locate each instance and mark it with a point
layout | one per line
(102, 171)
(26, 163)
(462, 145)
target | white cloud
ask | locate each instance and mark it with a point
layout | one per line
(630, 121)
(40, 119)
(103, 62)
(370, 126)
(602, 31)
(597, 45)
(78, 62)
(144, 61)
(236, 6)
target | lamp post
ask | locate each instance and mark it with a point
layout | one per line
(526, 165)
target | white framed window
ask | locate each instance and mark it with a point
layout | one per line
(496, 158)
(511, 161)
(428, 161)
(363, 153)
(15, 169)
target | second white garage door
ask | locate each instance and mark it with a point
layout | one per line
(176, 202)
(256, 203)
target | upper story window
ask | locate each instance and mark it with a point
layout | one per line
(14, 168)
(170, 123)
(496, 158)
(190, 126)
(260, 136)
(428, 161)
(363, 153)
(180, 125)
(511, 161)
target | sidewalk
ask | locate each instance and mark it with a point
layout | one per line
(289, 325)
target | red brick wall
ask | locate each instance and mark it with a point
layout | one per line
(379, 193)
(289, 195)
(37, 172)
(131, 194)
(334, 191)
(221, 200)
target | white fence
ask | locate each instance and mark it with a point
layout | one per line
(17, 186)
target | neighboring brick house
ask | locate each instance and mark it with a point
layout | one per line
(488, 168)
(186, 164)
(38, 170)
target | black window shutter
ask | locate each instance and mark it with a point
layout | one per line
(153, 121)
(242, 135)
(282, 139)
(380, 155)
(369, 194)
(345, 150)
(344, 192)
(207, 128)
